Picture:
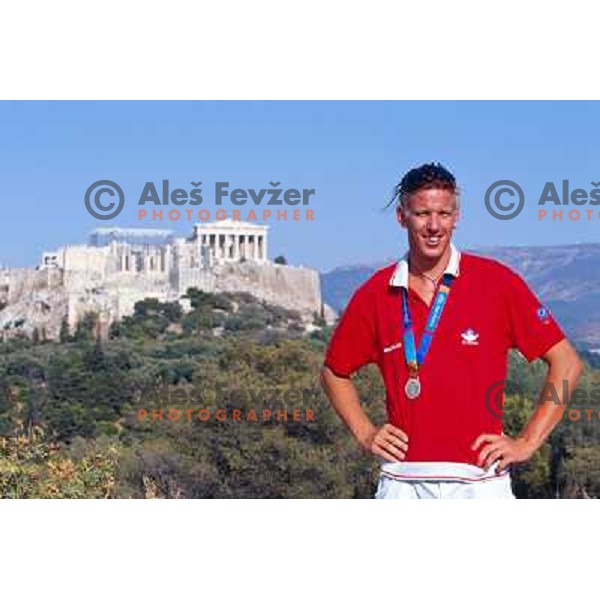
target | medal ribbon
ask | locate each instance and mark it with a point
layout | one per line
(414, 358)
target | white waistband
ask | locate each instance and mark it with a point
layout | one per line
(439, 471)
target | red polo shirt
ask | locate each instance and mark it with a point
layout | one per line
(489, 310)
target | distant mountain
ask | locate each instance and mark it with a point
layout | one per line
(567, 278)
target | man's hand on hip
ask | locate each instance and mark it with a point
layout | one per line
(501, 448)
(388, 442)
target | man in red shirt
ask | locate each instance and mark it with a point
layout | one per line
(439, 325)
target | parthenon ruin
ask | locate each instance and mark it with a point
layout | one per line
(156, 250)
(233, 240)
(120, 267)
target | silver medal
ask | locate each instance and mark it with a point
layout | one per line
(412, 388)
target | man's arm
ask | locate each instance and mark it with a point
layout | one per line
(564, 365)
(389, 442)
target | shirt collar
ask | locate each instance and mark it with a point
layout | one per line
(400, 276)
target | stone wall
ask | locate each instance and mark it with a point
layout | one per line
(88, 259)
(295, 288)
(16, 283)
(35, 300)
(41, 299)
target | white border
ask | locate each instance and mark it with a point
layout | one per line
(314, 49)
(296, 549)
(296, 50)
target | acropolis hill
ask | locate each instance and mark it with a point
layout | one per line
(120, 267)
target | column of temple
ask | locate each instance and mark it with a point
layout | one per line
(234, 246)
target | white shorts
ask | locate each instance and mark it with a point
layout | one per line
(436, 481)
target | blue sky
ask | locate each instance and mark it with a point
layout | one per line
(352, 153)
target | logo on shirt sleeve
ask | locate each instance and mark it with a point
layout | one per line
(544, 315)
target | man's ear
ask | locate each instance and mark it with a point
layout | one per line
(401, 216)
(457, 218)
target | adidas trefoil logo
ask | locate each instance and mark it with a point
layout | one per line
(470, 337)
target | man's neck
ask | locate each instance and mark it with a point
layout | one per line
(420, 264)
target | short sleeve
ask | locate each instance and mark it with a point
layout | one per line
(532, 327)
(353, 344)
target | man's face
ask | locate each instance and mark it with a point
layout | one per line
(430, 221)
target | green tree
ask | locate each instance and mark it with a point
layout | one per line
(86, 328)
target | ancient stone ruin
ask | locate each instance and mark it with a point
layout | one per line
(120, 267)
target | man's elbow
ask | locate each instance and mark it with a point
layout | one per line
(575, 366)
(578, 367)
